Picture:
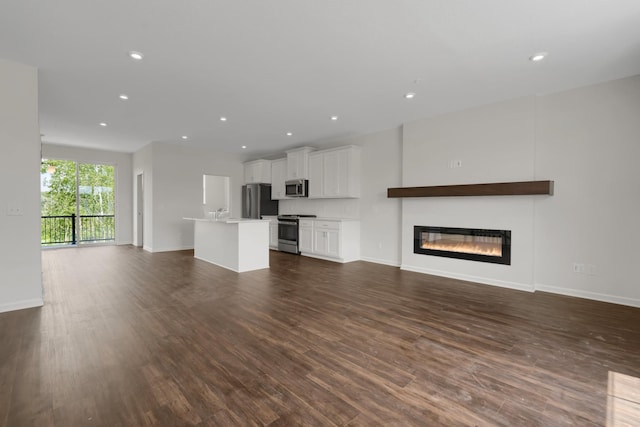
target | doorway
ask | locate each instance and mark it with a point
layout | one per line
(139, 210)
(77, 203)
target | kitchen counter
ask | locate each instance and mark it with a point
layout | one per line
(320, 218)
(237, 244)
(227, 220)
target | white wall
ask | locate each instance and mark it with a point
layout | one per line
(495, 144)
(175, 184)
(20, 264)
(586, 140)
(123, 181)
(380, 217)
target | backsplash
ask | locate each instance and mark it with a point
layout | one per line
(323, 208)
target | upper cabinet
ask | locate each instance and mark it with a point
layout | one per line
(335, 173)
(297, 163)
(257, 171)
(332, 174)
(278, 177)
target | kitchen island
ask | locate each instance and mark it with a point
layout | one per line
(236, 244)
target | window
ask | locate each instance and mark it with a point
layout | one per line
(77, 202)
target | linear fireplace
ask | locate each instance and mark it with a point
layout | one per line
(463, 243)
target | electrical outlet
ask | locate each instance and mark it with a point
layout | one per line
(578, 267)
(14, 210)
(591, 269)
(457, 163)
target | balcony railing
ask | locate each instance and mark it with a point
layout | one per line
(72, 229)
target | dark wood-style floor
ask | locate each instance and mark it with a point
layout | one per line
(128, 338)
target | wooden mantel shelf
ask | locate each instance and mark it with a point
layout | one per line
(492, 189)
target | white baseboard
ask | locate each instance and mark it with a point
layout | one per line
(184, 248)
(20, 305)
(218, 265)
(154, 250)
(381, 261)
(633, 302)
(340, 260)
(468, 278)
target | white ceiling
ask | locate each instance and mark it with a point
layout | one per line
(281, 66)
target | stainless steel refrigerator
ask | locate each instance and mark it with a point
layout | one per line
(256, 201)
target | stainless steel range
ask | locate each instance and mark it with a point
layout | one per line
(288, 237)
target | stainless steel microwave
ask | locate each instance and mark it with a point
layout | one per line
(296, 188)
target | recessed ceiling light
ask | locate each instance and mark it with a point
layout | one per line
(244, 147)
(410, 95)
(334, 118)
(135, 55)
(124, 96)
(103, 124)
(289, 133)
(223, 119)
(538, 56)
(184, 137)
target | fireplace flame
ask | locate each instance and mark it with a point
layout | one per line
(477, 248)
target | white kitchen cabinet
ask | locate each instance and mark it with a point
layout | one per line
(257, 171)
(326, 238)
(278, 177)
(305, 235)
(335, 173)
(316, 161)
(331, 239)
(297, 163)
(273, 231)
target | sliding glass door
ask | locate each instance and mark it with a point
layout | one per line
(77, 202)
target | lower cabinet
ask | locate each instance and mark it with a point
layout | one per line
(334, 240)
(326, 238)
(305, 236)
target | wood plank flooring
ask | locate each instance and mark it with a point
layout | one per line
(129, 338)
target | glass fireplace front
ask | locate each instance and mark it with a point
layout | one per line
(473, 244)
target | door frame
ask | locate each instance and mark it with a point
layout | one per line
(139, 209)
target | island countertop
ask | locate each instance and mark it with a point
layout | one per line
(227, 220)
